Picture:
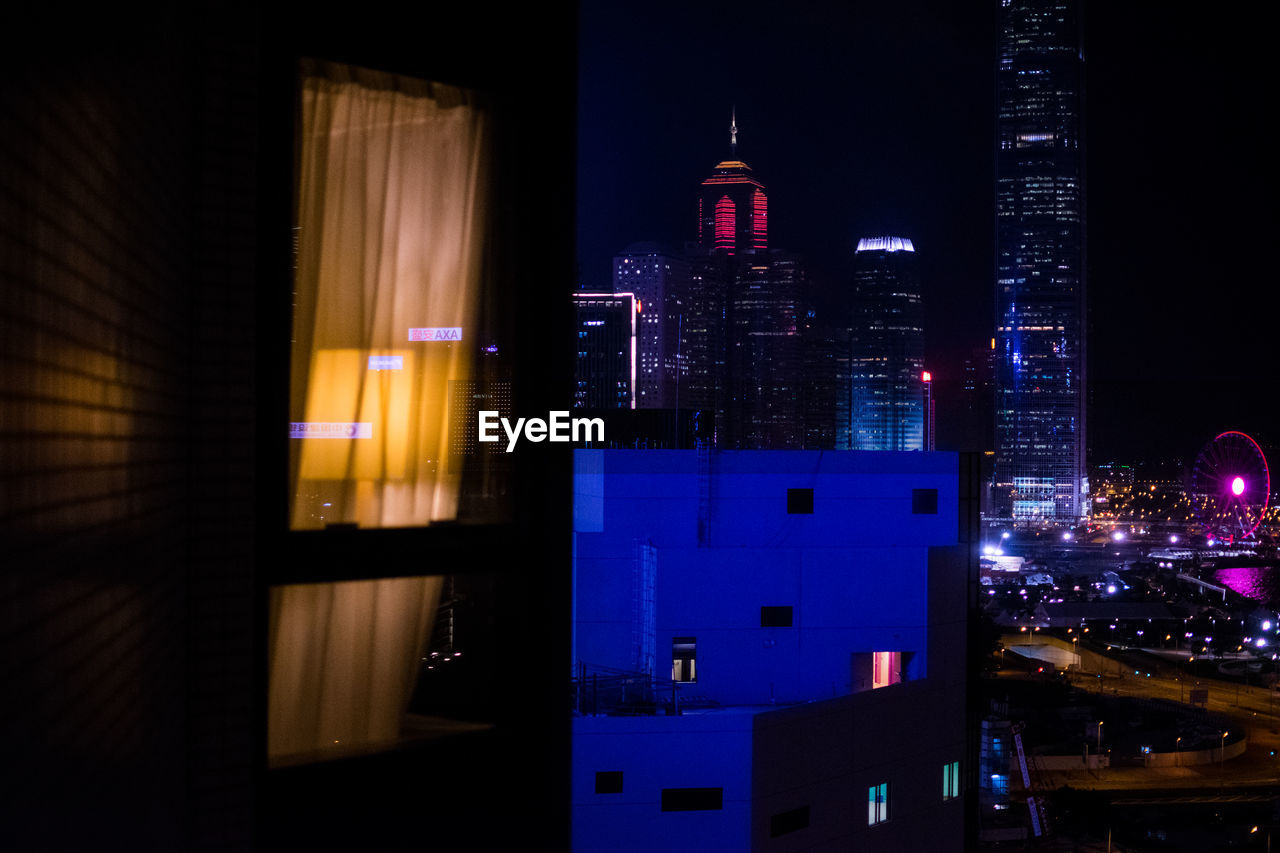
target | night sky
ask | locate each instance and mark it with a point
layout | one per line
(869, 119)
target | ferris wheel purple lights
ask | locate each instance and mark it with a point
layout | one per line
(1230, 486)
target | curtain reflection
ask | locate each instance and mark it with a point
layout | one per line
(391, 216)
(344, 661)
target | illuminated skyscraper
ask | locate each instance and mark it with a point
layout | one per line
(732, 229)
(1040, 263)
(887, 402)
(741, 329)
(657, 279)
(605, 341)
(733, 211)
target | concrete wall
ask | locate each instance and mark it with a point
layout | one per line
(825, 755)
(129, 306)
(710, 750)
(860, 575)
(853, 571)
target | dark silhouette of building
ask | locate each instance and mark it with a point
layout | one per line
(605, 337)
(974, 431)
(1040, 415)
(888, 347)
(765, 370)
(825, 385)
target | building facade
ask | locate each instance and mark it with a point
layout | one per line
(765, 359)
(887, 361)
(605, 347)
(742, 328)
(658, 280)
(1040, 369)
(769, 650)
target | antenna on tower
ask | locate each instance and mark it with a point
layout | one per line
(733, 131)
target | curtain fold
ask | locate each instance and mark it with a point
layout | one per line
(392, 213)
(344, 662)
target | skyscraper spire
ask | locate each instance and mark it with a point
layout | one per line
(733, 132)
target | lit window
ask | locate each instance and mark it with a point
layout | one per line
(684, 652)
(951, 780)
(886, 669)
(877, 804)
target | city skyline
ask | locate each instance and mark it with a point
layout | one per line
(872, 120)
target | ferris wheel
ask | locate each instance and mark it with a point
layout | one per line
(1230, 486)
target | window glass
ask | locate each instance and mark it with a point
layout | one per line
(877, 803)
(951, 780)
(392, 218)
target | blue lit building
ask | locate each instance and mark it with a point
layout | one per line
(887, 359)
(1040, 393)
(769, 650)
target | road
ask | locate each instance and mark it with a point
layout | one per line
(1256, 710)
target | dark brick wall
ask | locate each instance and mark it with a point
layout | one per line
(127, 264)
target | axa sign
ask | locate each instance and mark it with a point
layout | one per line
(452, 333)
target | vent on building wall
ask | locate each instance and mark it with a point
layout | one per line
(775, 617)
(789, 821)
(609, 782)
(692, 799)
(800, 501)
(924, 501)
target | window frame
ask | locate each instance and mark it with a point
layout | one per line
(539, 491)
(878, 804)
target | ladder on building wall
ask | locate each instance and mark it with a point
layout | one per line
(704, 492)
(1031, 783)
(644, 574)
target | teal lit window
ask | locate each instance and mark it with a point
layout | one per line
(951, 780)
(877, 804)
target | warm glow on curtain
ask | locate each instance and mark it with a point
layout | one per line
(391, 228)
(344, 661)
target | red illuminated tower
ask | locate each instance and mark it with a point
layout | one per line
(733, 210)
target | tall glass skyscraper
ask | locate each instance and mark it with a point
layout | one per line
(658, 280)
(1040, 263)
(887, 359)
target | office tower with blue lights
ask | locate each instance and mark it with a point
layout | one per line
(1040, 378)
(658, 281)
(887, 358)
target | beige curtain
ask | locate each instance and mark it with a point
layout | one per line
(392, 189)
(344, 661)
(392, 209)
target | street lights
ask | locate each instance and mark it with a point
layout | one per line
(1222, 754)
(1100, 723)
